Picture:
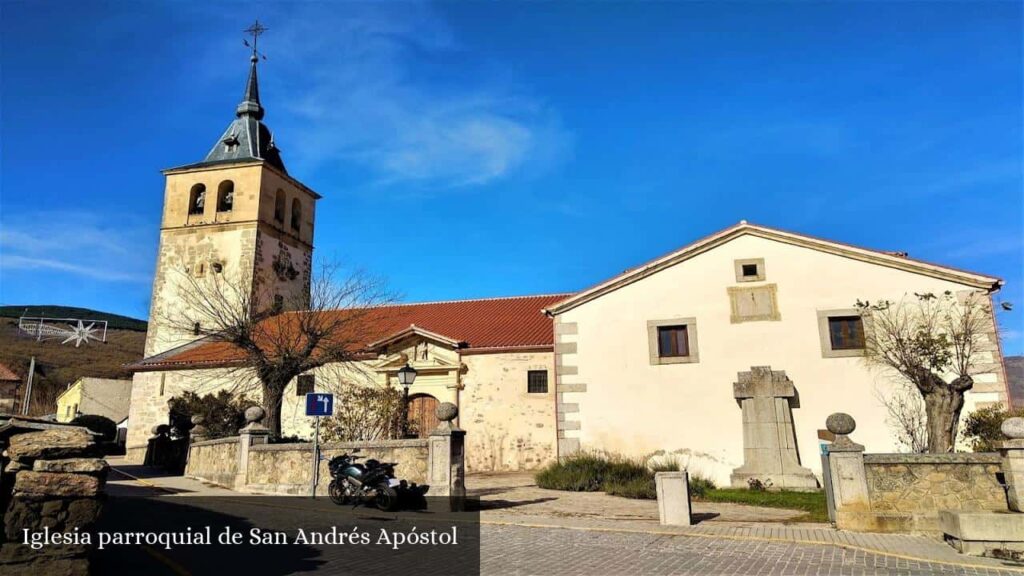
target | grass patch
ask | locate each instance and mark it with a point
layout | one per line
(628, 478)
(811, 503)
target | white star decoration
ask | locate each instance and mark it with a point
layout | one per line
(81, 334)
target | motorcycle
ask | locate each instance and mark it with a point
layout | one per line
(352, 483)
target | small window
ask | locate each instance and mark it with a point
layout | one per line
(750, 270)
(217, 267)
(304, 384)
(846, 332)
(196, 329)
(537, 381)
(843, 332)
(296, 214)
(279, 206)
(226, 196)
(673, 342)
(278, 303)
(197, 199)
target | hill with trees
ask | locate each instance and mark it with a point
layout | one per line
(58, 365)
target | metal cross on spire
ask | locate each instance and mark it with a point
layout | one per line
(255, 30)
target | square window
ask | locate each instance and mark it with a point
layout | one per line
(673, 342)
(846, 332)
(749, 269)
(304, 384)
(537, 381)
(843, 332)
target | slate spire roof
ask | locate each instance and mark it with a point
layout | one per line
(247, 137)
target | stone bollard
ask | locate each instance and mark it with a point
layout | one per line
(673, 490)
(446, 467)
(1012, 451)
(846, 468)
(253, 433)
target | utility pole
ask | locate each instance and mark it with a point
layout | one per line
(28, 386)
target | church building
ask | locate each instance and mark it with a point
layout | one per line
(656, 361)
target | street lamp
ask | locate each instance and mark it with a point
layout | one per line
(406, 376)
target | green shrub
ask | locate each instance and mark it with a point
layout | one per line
(223, 413)
(596, 472)
(641, 487)
(701, 485)
(981, 427)
(105, 427)
(581, 472)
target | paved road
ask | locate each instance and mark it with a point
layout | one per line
(514, 549)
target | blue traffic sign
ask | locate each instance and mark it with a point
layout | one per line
(319, 404)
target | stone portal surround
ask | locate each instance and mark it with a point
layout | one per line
(568, 387)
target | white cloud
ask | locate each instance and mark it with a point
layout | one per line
(77, 243)
(375, 85)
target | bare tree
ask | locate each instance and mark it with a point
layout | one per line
(933, 342)
(906, 417)
(269, 345)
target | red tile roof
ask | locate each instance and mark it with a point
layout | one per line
(489, 324)
(8, 375)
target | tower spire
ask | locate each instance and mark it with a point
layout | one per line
(247, 138)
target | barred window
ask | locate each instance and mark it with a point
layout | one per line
(537, 381)
(304, 385)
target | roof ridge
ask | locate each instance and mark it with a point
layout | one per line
(488, 299)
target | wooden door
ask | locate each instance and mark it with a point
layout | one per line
(422, 414)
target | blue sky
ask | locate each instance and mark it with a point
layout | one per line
(471, 149)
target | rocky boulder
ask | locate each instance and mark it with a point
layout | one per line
(73, 465)
(52, 484)
(54, 443)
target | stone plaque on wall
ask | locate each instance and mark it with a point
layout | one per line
(754, 303)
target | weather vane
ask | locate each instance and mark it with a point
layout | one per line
(255, 30)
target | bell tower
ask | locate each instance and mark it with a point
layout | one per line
(236, 218)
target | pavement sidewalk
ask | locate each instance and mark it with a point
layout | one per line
(540, 509)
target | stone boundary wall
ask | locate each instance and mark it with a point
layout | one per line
(214, 461)
(907, 491)
(287, 468)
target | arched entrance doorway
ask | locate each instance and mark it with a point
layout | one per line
(422, 414)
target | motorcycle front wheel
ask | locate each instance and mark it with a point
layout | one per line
(337, 493)
(387, 498)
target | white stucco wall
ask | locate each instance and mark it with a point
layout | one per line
(619, 402)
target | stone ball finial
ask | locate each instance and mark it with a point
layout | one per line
(198, 420)
(254, 414)
(446, 411)
(1013, 428)
(840, 423)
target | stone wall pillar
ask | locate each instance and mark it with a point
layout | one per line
(253, 433)
(846, 468)
(1012, 451)
(446, 459)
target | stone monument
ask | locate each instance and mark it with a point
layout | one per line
(767, 398)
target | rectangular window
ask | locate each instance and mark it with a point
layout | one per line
(537, 381)
(846, 332)
(673, 341)
(304, 384)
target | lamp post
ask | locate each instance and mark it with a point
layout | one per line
(406, 376)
